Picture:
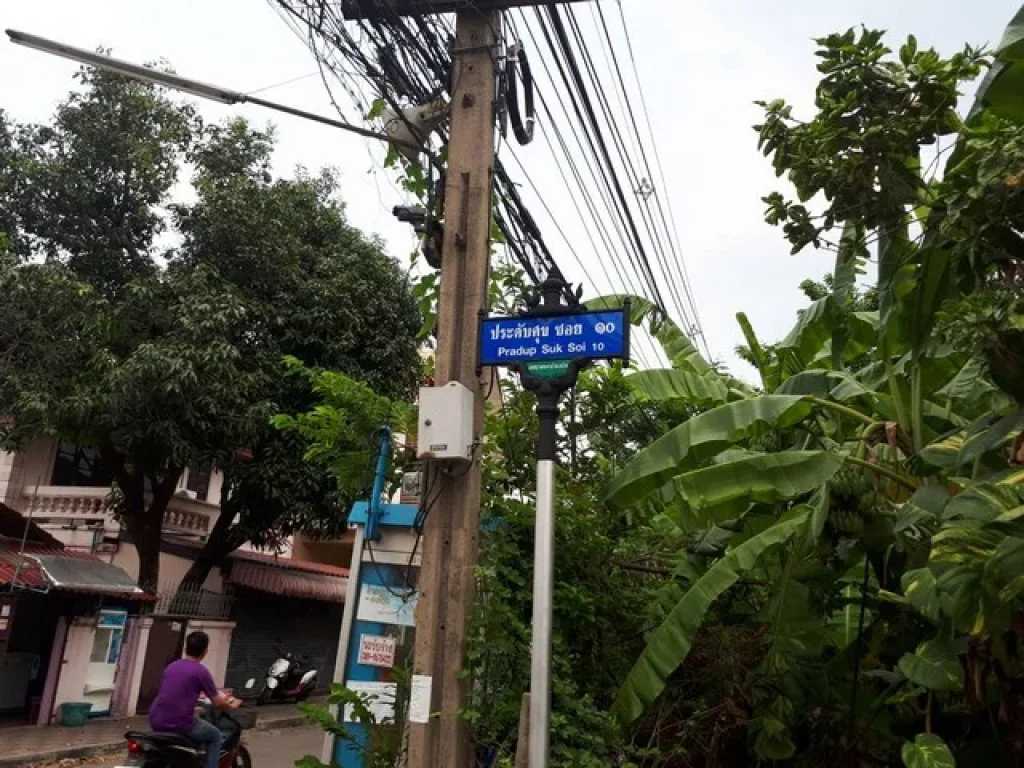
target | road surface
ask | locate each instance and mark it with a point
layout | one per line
(270, 749)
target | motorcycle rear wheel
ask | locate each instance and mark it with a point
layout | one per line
(242, 758)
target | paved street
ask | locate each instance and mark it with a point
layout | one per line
(270, 749)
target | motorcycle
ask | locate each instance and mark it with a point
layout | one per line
(287, 678)
(170, 750)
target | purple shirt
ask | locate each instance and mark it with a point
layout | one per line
(174, 709)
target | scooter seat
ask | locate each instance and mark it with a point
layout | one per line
(159, 739)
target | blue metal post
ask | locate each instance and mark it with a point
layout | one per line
(383, 458)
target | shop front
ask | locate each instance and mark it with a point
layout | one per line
(68, 621)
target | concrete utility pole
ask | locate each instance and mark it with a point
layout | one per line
(450, 546)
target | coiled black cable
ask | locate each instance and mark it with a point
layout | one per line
(523, 133)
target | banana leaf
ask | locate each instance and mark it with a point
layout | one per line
(767, 478)
(809, 335)
(969, 387)
(693, 442)
(849, 257)
(769, 376)
(1001, 90)
(669, 645)
(829, 385)
(670, 384)
(844, 625)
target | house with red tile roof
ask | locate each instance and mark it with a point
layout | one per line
(62, 490)
(63, 618)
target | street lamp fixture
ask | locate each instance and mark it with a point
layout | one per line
(186, 85)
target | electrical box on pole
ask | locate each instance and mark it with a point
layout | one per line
(446, 423)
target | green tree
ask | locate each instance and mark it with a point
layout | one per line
(93, 181)
(161, 360)
(319, 292)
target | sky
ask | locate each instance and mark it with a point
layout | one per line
(702, 65)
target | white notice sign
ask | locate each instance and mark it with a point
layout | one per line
(380, 605)
(377, 651)
(381, 700)
(419, 699)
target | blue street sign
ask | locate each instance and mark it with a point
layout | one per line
(583, 336)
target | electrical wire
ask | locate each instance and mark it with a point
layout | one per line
(408, 60)
(655, 235)
(661, 169)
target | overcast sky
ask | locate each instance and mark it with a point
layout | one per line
(702, 65)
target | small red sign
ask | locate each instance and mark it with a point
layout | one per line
(377, 651)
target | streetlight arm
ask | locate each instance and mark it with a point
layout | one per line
(194, 87)
(366, 132)
(127, 69)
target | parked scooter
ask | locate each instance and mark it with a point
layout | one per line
(287, 678)
(169, 750)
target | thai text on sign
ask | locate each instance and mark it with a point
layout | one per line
(580, 336)
(377, 651)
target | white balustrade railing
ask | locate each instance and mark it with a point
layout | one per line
(72, 503)
(53, 501)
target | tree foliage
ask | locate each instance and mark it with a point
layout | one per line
(889, 604)
(164, 357)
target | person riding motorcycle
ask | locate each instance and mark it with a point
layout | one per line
(174, 709)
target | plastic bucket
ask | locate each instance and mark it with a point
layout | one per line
(75, 714)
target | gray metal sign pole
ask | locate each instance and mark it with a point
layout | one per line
(543, 573)
(548, 391)
(543, 595)
(587, 336)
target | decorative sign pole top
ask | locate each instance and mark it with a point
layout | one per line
(553, 341)
(549, 344)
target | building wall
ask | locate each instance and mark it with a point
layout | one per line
(220, 633)
(286, 551)
(21, 472)
(79, 537)
(31, 468)
(11, 465)
(172, 569)
(333, 552)
(216, 484)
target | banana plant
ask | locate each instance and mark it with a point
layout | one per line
(822, 458)
(879, 458)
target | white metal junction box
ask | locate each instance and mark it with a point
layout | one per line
(446, 423)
